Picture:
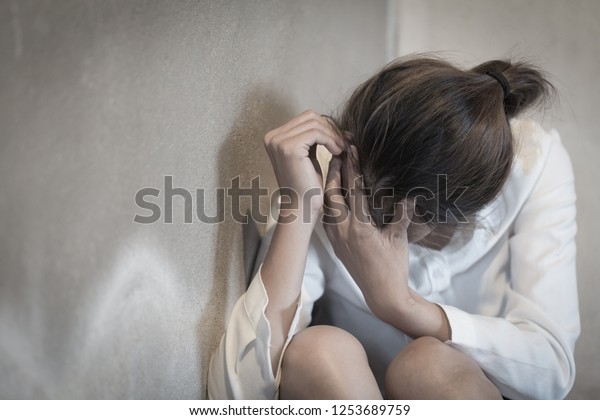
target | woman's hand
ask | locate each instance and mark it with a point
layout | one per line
(292, 150)
(377, 259)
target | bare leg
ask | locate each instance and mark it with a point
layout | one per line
(430, 369)
(324, 362)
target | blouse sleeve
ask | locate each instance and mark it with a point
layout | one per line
(241, 366)
(528, 350)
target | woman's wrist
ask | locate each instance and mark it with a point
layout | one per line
(283, 266)
(415, 316)
(302, 216)
(389, 306)
(288, 250)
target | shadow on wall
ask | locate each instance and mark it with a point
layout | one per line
(242, 154)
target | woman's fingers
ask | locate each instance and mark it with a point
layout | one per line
(300, 138)
(307, 120)
(315, 124)
(317, 127)
(312, 154)
(302, 142)
(298, 119)
(335, 210)
(398, 226)
(357, 200)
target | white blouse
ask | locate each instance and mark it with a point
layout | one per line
(509, 290)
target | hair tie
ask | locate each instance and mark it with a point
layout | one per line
(502, 80)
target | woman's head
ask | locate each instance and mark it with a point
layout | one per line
(439, 136)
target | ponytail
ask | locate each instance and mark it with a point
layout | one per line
(527, 84)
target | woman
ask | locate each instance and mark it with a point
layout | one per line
(445, 258)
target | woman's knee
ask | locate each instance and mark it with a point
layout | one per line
(429, 368)
(320, 344)
(326, 362)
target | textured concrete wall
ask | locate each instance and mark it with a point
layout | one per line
(101, 98)
(562, 37)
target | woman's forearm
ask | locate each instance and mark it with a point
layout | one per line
(292, 150)
(282, 274)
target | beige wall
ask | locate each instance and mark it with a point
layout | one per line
(101, 98)
(562, 37)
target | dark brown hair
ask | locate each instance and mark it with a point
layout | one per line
(420, 117)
